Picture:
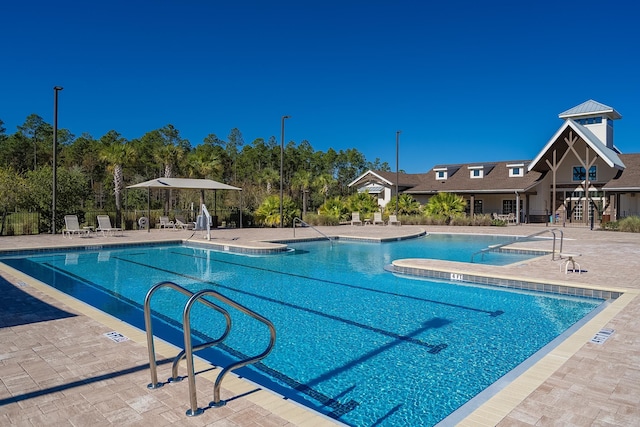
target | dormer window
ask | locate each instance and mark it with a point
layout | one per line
(441, 173)
(516, 169)
(476, 171)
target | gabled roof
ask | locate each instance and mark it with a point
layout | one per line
(389, 178)
(629, 178)
(496, 179)
(590, 108)
(607, 154)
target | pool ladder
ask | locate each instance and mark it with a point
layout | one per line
(517, 239)
(188, 350)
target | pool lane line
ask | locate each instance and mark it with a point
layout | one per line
(434, 348)
(338, 407)
(495, 313)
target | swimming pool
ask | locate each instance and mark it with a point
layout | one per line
(354, 342)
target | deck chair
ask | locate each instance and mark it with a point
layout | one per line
(393, 220)
(104, 225)
(377, 218)
(355, 218)
(184, 225)
(165, 223)
(72, 226)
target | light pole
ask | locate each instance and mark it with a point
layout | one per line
(397, 170)
(56, 89)
(282, 167)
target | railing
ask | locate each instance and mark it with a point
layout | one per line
(188, 350)
(149, 328)
(529, 237)
(311, 226)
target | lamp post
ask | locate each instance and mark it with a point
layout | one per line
(282, 168)
(397, 170)
(56, 89)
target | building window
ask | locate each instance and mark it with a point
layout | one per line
(509, 206)
(476, 172)
(477, 207)
(441, 174)
(589, 121)
(580, 175)
(516, 169)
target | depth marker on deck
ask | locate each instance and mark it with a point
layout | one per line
(602, 336)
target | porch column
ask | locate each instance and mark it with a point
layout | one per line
(472, 202)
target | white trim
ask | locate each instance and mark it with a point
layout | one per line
(607, 154)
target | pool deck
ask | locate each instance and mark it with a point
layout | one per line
(57, 367)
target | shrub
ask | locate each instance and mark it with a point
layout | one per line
(320, 219)
(482, 220)
(460, 220)
(630, 224)
(610, 226)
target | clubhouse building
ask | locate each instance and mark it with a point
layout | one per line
(579, 176)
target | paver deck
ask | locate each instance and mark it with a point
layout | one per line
(58, 368)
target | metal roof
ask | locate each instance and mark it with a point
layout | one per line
(589, 108)
(185, 183)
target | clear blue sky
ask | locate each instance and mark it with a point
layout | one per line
(465, 81)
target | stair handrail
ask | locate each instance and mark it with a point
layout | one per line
(311, 226)
(149, 330)
(525, 238)
(194, 410)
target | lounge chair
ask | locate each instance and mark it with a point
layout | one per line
(165, 223)
(184, 225)
(355, 218)
(104, 225)
(72, 226)
(393, 220)
(377, 218)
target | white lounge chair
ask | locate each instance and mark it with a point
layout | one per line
(72, 226)
(355, 218)
(164, 222)
(104, 225)
(184, 225)
(377, 219)
(393, 220)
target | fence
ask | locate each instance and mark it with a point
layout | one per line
(25, 223)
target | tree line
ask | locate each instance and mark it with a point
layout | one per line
(93, 172)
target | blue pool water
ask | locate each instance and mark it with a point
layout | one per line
(354, 342)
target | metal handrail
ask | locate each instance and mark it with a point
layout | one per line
(309, 225)
(517, 239)
(189, 350)
(149, 328)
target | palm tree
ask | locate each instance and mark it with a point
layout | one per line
(323, 184)
(363, 203)
(116, 153)
(446, 205)
(335, 208)
(269, 211)
(301, 181)
(407, 205)
(268, 177)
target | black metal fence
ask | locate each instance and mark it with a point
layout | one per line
(25, 223)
